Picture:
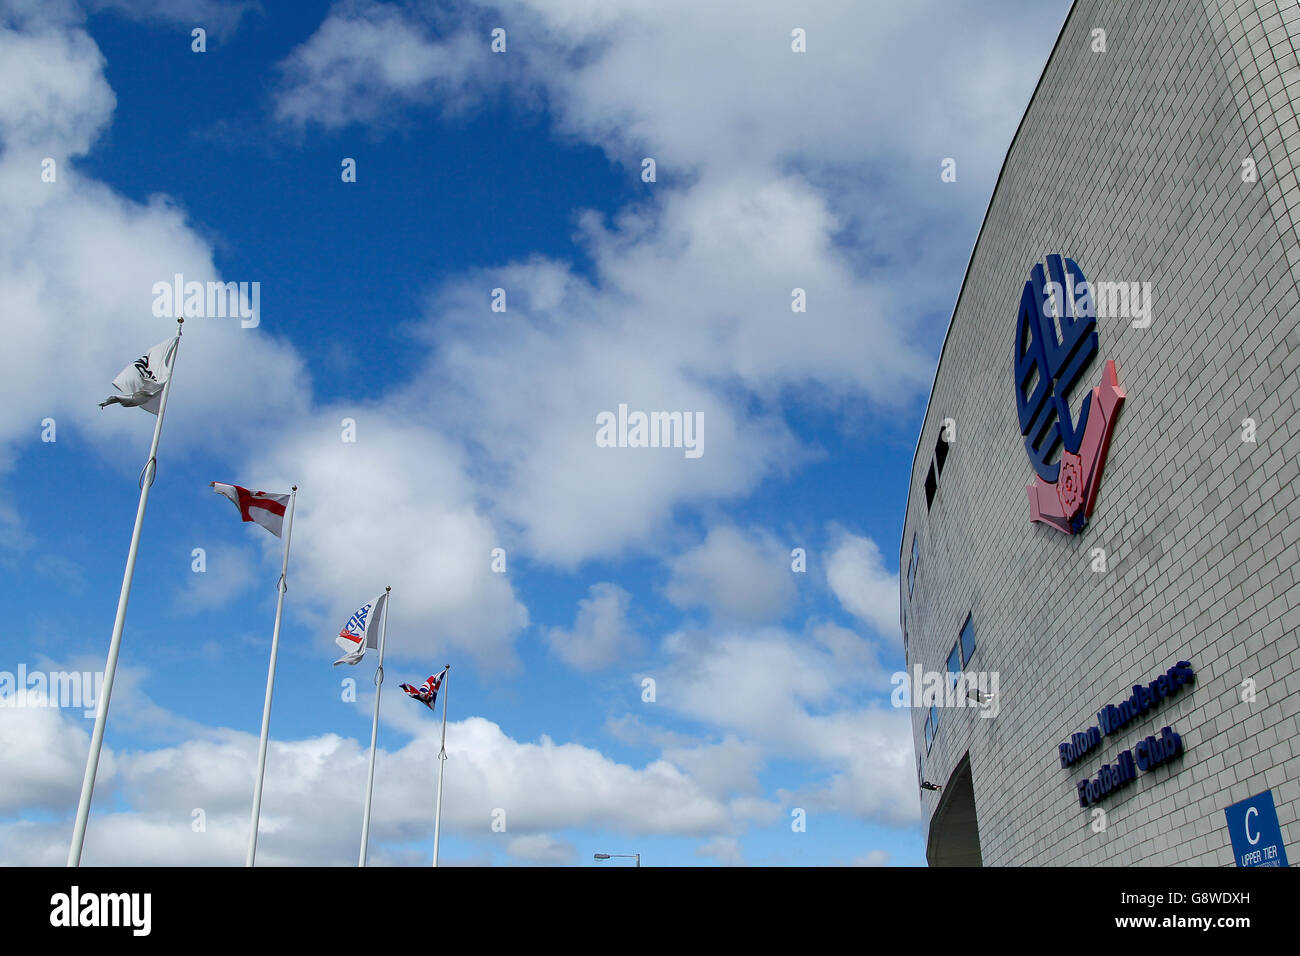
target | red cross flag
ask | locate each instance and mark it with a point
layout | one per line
(266, 510)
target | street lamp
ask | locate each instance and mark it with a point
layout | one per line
(628, 856)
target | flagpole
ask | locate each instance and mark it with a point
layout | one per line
(119, 622)
(374, 731)
(442, 762)
(282, 587)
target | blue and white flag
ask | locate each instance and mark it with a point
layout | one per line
(361, 631)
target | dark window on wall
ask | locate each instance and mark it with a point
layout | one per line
(967, 641)
(920, 771)
(912, 565)
(954, 664)
(932, 727)
(936, 469)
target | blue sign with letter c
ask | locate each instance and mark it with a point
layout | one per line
(1255, 833)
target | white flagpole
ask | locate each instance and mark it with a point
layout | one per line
(270, 685)
(119, 622)
(374, 730)
(442, 762)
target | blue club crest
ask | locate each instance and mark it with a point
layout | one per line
(1056, 339)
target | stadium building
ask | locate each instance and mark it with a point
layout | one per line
(1101, 595)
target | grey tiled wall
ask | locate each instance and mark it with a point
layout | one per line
(1130, 162)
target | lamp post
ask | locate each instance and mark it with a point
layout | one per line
(628, 856)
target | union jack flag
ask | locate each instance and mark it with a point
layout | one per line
(428, 693)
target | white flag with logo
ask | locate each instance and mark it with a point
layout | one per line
(361, 631)
(141, 383)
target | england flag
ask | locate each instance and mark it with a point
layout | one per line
(361, 631)
(257, 506)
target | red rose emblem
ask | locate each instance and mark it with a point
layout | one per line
(1069, 484)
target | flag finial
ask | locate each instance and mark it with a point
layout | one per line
(388, 587)
(294, 488)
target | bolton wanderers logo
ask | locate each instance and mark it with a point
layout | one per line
(1056, 340)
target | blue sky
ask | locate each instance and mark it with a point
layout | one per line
(475, 429)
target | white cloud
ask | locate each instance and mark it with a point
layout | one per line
(872, 858)
(725, 768)
(677, 322)
(864, 113)
(856, 574)
(230, 571)
(43, 756)
(736, 93)
(725, 849)
(739, 576)
(874, 770)
(542, 848)
(687, 307)
(314, 790)
(78, 263)
(601, 633)
(393, 508)
(77, 268)
(545, 785)
(216, 17)
(801, 698)
(54, 99)
(367, 57)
